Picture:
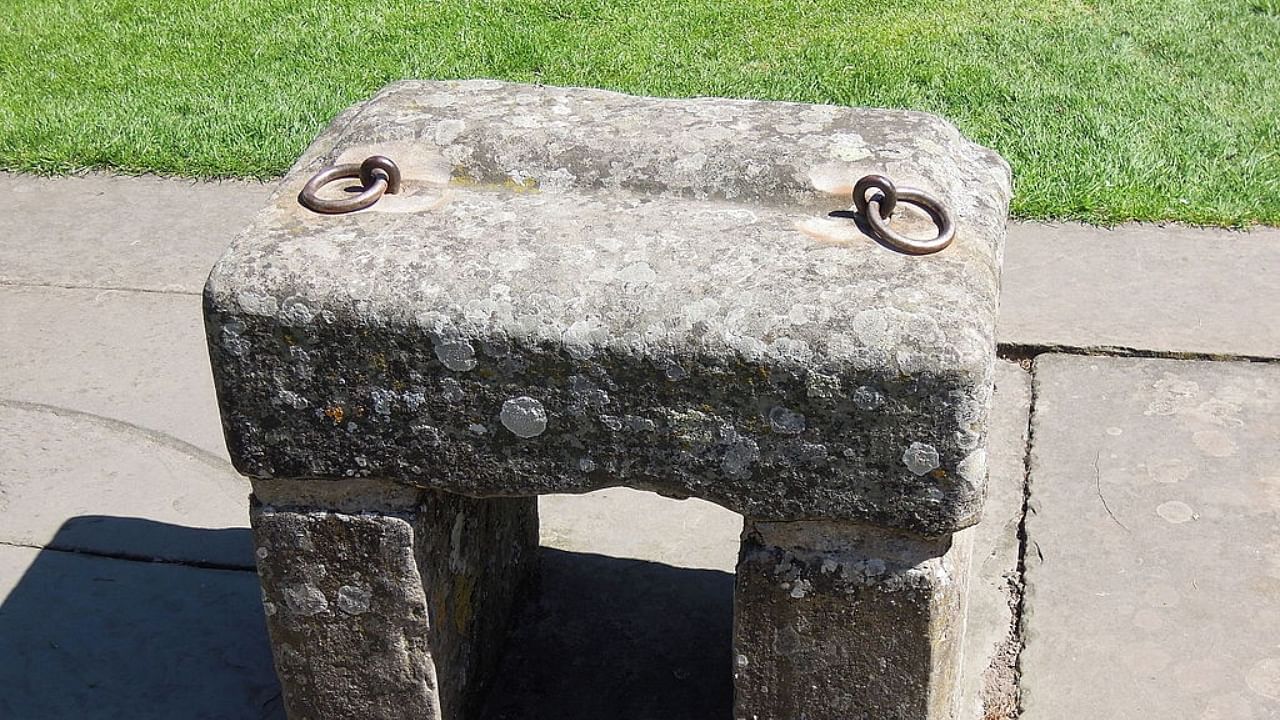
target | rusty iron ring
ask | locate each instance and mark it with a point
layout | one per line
(888, 194)
(378, 175)
(902, 243)
(877, 210)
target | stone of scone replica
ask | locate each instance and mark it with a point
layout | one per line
(576, 289)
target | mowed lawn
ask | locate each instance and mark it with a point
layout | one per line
(1108, 110)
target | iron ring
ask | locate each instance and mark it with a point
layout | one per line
(378, 175)
(902, 243)
(888, 194)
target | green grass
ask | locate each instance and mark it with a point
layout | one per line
(1108, 110)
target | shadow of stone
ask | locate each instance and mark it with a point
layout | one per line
(619, 639)
(89, 636)
(138, 539)
(83, 636)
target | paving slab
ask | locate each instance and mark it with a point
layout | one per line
(111, 231)
(76, 481)
(138, 358)
(1148, 288)
(638, 525)
(90, 637)
(1153, 531)
(109, 412)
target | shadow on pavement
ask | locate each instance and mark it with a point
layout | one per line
(83, 636)
(613, 639)
(86, 636)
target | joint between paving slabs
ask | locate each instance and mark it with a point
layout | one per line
(1017, 584)
(131, 557)
(100, 288)
(1025, 353)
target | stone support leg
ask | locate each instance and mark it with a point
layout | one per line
(836, 621)
(384, 601)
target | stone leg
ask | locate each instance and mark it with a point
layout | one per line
(836, 621)
(384, 601)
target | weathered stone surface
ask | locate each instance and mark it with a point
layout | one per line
(622, 611)
(837, 621)
(477, 557)
(1153, 541)
(580, 289)
(347, 613)
(399, 611)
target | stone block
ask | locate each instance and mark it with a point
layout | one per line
(396, 611)
(577, 289)
(833, 620)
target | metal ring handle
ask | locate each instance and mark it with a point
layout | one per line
(923, 200)
(888, 194)
(378, 175)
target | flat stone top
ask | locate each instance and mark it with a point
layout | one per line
(569, 273)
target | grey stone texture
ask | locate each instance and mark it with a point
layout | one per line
(833, 620)
(1149, 288)
(1153, 541)
(397, 611)
(580, 289)
(650, 634)
(564, 299)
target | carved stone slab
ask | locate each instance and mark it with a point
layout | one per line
(578, 289)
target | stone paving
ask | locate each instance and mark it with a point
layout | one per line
(1151, 548)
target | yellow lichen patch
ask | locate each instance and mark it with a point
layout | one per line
(938, 474)
(462, 178)
(462, 609)
(335, 413)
